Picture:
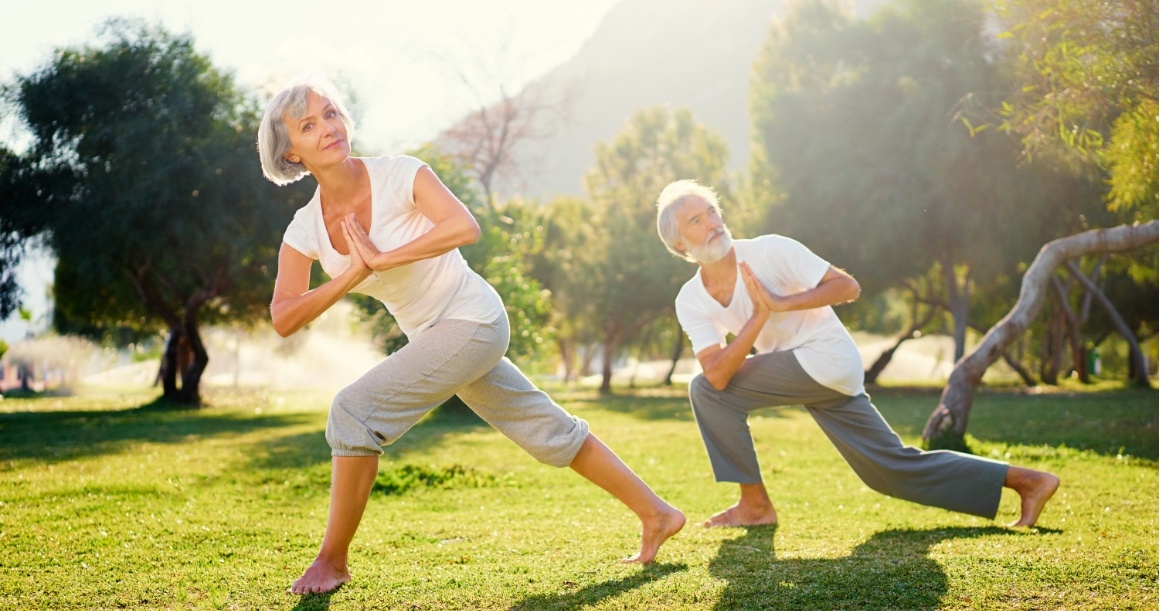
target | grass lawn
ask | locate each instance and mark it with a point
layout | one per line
(109, 502)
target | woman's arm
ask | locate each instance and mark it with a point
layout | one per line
(454, 227)
(295, 304)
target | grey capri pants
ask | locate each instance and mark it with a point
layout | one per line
(452, 357)
(950, 480)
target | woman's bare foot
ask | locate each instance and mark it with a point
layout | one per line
(743, 515)
(656, 531)
(320, 577)
(1035, 488)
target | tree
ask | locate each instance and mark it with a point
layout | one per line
(858, 121)
(640, 279)
(146, 187)
(948, 423)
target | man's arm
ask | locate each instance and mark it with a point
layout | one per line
(836, 287)
(721, 364)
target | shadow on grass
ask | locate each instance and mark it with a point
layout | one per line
(313, 602)
(597, 592)
(891, 570)
(55, 436)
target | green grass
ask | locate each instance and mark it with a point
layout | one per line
(108, 501)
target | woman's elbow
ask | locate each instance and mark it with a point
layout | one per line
(281, 326)
(471, 232)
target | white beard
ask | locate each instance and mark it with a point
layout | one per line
(714, 248)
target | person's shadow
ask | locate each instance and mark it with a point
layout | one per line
(597, 592)
(891, 570)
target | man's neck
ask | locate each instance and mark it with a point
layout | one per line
(721, 269)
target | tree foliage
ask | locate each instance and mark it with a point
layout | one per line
(143, 179)
(859, 122)
(1086, 90)
(639, 279)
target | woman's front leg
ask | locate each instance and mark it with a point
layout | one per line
(351, 480)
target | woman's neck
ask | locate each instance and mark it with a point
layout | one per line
(340, 184)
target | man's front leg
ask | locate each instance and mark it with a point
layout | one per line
(753, 509)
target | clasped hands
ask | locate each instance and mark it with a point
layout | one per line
(764, 300)
(364, 255)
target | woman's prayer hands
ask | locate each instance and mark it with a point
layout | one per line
(358, 244)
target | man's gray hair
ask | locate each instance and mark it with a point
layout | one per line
(672, 197)
(273, 137)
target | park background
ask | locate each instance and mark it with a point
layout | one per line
(931, 149)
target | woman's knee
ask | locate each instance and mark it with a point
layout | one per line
(346, 432)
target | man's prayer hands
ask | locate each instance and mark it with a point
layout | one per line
(764, 301)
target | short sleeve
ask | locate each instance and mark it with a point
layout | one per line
(400, 178)
(805, 267)
(700, 329)
(300, 236)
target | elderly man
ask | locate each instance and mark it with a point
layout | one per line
(774, 296)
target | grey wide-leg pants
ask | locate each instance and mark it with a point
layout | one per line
(950, 480)
(452, 357)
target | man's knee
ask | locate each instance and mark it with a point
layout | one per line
(701, 391)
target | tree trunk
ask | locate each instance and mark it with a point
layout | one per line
(875, 370)
(1078, 354)
(1140, 366)
(948, 422)
(190, 393)
(959, 303)
(568, 356)
(678, 349)
(611, 344)
(1052, 349)
(1017, 367)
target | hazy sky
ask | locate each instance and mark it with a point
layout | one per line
(406, 61)
(414, 66)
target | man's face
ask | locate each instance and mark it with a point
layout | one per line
(704, 235)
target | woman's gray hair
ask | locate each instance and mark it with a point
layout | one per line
(671, 199)
(274, 139)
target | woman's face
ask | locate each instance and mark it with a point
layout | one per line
(318, 138)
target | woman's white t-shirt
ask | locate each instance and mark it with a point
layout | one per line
(418, 294)
(819, 340)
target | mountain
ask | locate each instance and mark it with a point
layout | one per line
(692, 53)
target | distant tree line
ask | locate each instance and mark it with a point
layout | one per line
(916, 149)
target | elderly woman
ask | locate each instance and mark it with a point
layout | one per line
(389, 228)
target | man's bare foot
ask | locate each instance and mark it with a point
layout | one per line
(319, 578)
(743, 515)
(656, 531)
(1035, 489)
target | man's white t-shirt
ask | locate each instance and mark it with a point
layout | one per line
(819, 340)
(418, 294)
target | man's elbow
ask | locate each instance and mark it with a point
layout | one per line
(855, 290)
(718, 382)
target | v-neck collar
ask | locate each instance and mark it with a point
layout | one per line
(326, 241)
(705, 290)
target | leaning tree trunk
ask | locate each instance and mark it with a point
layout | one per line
(948, 423)
(875, 370)
(1137, 356)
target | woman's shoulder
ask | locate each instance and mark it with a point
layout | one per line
(393, 165)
